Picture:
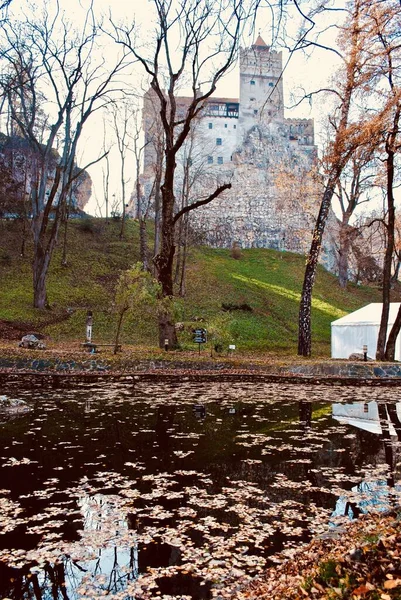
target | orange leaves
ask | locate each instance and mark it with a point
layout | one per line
(390, 584)
(362, 590)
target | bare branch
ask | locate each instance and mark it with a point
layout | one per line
(216, 193)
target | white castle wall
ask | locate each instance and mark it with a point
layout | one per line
(268, 159)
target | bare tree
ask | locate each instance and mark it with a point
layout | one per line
(122, 115)
(349, 133)
(217, 28)
(141, 203)
(48, 65)
(192, 174)
(385, 34)
(106, 176)
(353, 190)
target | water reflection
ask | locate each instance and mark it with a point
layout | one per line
(375, 417)
(130, 489)
(381, 419)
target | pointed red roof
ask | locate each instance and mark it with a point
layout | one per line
(260, 43)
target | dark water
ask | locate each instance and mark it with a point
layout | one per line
(143, 490)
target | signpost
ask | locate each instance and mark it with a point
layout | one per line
(200, 337)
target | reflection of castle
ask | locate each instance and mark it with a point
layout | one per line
(247, 141)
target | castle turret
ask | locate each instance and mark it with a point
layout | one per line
(261, 86)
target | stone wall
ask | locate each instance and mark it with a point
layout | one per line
(269, 160)
(274, 197)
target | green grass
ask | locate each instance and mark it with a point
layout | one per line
(269, 282)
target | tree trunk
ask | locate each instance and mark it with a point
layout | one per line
(23, 238)
(65, 219)
(182, 290)
(304, 324)
(43, 246)
(392, 338)
(122, 228)
(119, 325)
(156, 247)
(40, 267)
(388, 257)
(64, 256)
(143, 244)
(167, 332)
(178, 254)
(343, 252)
(396, 273)
(341, 150)
(164, 259)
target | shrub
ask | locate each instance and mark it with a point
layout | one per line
(88, 226)
(228, 307)
(236, 251)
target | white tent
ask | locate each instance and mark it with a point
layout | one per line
(350, 333)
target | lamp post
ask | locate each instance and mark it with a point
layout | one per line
(365, 352)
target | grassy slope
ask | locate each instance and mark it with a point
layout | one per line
(268, 281)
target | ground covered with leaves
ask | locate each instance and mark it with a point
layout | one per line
(361, 561)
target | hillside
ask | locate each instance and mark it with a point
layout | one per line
(251, 302)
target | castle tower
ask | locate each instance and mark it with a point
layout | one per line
(261, 85)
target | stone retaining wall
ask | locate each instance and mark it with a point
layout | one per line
(99, 365)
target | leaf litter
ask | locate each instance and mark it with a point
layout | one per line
(142, 524)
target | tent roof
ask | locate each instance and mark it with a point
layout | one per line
(368, 315)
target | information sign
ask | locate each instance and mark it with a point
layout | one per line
(200, 336)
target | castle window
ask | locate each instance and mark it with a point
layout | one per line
(210, 160)
(271, 84)
(252, 99)
(253, 82)
(235, 127)
(255, 112)
(225, 125)
(220, 160)
(219, 142)
(210, 125)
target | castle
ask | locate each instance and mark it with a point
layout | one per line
(267, 158)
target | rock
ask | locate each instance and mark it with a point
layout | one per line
(179, 326)
(31, 341)
(12, 405)
(358, 356)
(356, 554)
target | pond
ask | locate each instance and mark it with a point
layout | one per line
(142, 489)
